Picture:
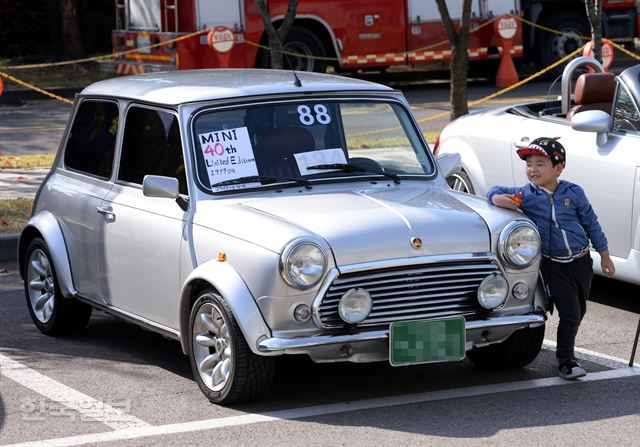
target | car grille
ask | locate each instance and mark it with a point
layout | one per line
(432, 290)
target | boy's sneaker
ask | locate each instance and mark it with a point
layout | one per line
(571, 369)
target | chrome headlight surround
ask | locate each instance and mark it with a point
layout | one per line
(303, 263)
(511, 247)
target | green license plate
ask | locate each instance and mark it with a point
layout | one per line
(427, 341)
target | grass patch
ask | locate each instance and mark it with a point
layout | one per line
(14, 213)
(371, 142)
(78, 75)
(26, 161)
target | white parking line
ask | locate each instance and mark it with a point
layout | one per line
(209, 424)
(593, 356)
(87, 406)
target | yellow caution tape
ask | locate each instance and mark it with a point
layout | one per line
(624, 50)
(481, 100)
(105, 56)
(562, 33)
(33, 87)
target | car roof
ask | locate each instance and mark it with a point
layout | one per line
(177, 87)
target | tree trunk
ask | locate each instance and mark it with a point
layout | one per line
(57, 45)
(459, 56)
(594, 13)
(277, 36)
(70, 29)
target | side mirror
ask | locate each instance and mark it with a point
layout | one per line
(593, 121)
(160, 186)
(449, 164)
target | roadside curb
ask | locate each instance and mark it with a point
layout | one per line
(9, 247)
(12, 97)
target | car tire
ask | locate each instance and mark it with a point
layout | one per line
(301, 41)
(520, 349)
(224, 367)
(551, 47)
(52, 313)
(461, 182)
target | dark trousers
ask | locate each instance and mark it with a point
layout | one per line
(569, 285)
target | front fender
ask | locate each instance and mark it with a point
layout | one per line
(45, 225)
(227, 282)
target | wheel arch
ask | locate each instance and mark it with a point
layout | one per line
(224, 280)
(315, 24)
(45, 225)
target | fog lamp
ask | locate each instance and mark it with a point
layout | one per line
(520, 291)
(355, 306)
(302, 313)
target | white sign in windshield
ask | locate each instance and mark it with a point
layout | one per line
(321, 157)
(228, 154)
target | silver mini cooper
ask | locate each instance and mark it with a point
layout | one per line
(253, 213)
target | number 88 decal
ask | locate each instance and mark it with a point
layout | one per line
(308, 118)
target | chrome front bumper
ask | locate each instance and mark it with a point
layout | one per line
(373, 345)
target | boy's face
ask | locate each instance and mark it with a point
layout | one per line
(541, 172)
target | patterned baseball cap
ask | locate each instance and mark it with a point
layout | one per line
(547, 147)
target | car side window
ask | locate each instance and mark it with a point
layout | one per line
(626, 118)
(92, 139)
(151, 146)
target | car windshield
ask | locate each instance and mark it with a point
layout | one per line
(303, 142)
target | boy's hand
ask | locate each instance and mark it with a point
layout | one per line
(506, 201)
(608, 268)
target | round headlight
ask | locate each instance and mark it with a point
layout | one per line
(303, 265)
(355, 306)
(519, 244)
(493, 291)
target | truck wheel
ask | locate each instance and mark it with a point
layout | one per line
(551, 47)
(520, 349)
(50, 311)
(224, 367)
(461, 182)
(300, 41)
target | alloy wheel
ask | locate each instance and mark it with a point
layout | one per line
(212, 347)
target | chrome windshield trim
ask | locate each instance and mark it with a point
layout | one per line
(390, 97)
(279, 344)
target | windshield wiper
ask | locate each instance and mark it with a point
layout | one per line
(347, 167)
(263, 179)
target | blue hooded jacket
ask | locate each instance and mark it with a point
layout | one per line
(565, 219)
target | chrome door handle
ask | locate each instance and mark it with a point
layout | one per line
(107, 212)
(523, 142)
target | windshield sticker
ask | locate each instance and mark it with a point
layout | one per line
(322, 157)
(319, 114)
(228, 154)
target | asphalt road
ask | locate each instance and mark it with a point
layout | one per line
(147, 381)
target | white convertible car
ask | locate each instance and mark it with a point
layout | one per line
(599, 126)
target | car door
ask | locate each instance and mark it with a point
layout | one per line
(77, 191)
(141, 236)
(607, 173)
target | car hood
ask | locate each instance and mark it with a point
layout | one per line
(362, 225)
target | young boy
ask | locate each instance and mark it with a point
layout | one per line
(566, 223)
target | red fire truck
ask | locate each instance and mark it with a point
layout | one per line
(347, 34)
